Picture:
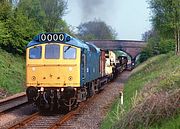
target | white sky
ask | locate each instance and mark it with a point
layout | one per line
(129, 18)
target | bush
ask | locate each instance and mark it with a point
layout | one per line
(156, 46)
(20, 31)
(166, 46)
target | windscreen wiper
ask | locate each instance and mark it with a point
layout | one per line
(67, 48)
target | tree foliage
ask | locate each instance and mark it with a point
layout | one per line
(5, 10)
(34, 11)
(54, 10)
(165, 33)
(20, 31)
(21, 20)
(155, 46)
(166, 19)
(95, 30)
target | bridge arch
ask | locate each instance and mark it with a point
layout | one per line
(137, 56)
(131, 47)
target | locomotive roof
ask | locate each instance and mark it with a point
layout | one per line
(63, 38)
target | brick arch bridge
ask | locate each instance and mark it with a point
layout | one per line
(131, 47)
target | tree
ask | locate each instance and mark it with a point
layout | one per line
(47, 13)
(95, 30)
(54, 10)
(5, 10)
(63, 27)
(149, 34)
(166, 19)
(20, 31)
(21, 20)
(33, 10)
(16, 29)
(156, 44)
(3, 32)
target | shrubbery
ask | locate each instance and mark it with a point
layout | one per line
(165, 34)
(20, 22)
(156, 46)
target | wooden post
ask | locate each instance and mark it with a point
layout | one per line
(121, 97)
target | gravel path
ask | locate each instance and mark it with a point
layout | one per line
(95, 111)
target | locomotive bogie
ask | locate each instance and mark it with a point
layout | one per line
(50, 98)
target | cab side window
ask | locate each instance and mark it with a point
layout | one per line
(69, 52)
(52, 51)
(35, 52)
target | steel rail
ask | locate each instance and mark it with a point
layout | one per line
(25, 121)
(68, 116)
(12, 97)
(12, 102)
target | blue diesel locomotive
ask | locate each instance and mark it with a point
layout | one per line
(62, 71)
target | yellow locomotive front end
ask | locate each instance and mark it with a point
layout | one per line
(53, 65)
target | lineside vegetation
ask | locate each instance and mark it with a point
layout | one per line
(12, 73)
(165, 33)
(151, 96)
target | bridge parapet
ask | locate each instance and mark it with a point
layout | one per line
(131, 47)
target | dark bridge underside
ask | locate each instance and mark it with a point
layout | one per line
(131, 47)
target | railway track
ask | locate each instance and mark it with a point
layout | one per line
(12, 103)
(37, 120)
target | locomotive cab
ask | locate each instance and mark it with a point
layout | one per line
(52, 73)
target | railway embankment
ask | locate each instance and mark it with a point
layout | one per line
(12, 74)
(151, 97)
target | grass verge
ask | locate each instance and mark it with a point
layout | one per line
(12, 73)
(151, 96)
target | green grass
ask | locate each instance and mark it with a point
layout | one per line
(12, 73)
(162, 72)
(172, 123)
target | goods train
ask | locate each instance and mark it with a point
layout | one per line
(62, 71)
